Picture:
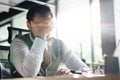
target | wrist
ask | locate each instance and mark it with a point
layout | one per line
(41, 37)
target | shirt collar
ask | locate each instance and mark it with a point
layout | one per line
(32, 37)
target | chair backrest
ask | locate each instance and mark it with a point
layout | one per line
(4, 69)
(18, 30)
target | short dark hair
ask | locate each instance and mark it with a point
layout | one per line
(43, 10)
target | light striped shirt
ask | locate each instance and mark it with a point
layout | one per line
(28, 61)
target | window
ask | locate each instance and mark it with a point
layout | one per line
(4, 37)
(117, 19)
(79, 27)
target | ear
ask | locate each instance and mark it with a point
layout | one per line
(28, 25)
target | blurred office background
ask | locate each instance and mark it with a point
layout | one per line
(91, 28)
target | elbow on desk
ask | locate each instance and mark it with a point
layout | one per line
(28, 73)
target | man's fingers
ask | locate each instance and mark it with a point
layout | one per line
(63, 72)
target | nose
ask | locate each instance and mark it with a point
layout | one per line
(49, 22)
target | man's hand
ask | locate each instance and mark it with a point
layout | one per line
(42, 29)
(63, 72)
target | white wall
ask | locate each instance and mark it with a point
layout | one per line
(117, 19)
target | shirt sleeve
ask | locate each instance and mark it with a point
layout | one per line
(27, 62)
(71, 60)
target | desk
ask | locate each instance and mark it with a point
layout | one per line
(108, 77)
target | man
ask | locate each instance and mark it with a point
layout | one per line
(37, 53)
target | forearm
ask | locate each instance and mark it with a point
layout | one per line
(71, 60)
(28, 62)
(74, 62)
(33, 60)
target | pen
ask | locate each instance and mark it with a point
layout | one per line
(76, 72)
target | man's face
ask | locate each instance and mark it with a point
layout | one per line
(42, 20)
(41, 23)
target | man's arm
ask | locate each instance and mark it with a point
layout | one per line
(27, 62)
(72, 61)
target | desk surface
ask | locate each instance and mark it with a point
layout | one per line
(107, 77)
